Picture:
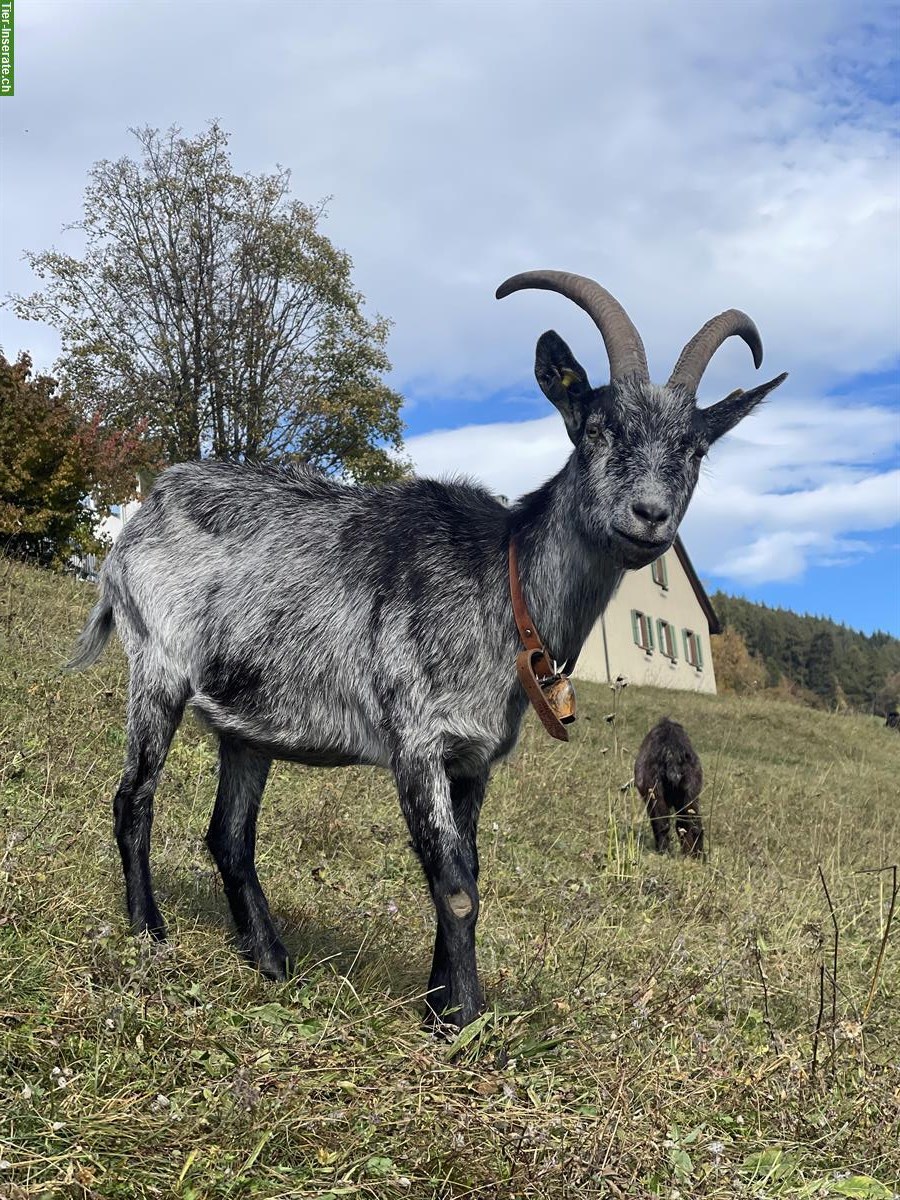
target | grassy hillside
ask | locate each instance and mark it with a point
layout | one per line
(650, 1030)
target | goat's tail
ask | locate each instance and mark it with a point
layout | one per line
(94, 636)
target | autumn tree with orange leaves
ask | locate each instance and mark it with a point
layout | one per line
(52, 458)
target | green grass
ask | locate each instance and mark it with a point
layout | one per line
(650, 1021)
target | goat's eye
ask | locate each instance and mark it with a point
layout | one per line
(593, 431)
(700, 453)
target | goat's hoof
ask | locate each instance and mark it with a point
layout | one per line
(448, 1022)
(151, 925)
(439, 1023)
(443, 1026)
(274, 963)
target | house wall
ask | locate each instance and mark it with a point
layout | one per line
(110, 527)
(677, 604)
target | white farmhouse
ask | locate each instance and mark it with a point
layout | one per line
(656, 629)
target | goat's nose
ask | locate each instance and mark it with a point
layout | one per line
(650, 510)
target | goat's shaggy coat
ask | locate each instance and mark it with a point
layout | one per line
(328, 624)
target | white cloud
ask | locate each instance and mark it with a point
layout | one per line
(777, 557)
(509, 458)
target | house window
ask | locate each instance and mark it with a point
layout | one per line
(642, 628)
(666, 634)
(660, 573)
(693, 648)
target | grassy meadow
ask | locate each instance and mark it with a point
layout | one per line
(654, 1027)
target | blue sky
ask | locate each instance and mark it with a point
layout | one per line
(689, 156)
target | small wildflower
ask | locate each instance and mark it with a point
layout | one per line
(391, 908)
(61, 1081)
(26, 1092)
(160, 1102)
(850, 1031)
(57, 1126)
(404, 1182)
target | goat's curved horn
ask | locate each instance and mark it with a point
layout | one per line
(694, 358)
(624, 347)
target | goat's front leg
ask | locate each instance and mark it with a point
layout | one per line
(658, 812)
(447, 852)
(466, 795)
(689, 827)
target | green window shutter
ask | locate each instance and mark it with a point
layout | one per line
(684, 644)
(661, 635)
(674, 644)
(663, 572)
(699, 651)
(635, 627)
(650, 632)
(667, 640)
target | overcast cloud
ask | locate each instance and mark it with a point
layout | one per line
(689, 156)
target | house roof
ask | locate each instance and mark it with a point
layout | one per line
(708, 610)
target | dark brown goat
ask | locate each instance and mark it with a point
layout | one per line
(668, 775)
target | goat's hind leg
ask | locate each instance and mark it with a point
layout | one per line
(154, 713)
(232, 842)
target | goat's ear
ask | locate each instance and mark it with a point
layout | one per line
(562, 380)
(722, 417)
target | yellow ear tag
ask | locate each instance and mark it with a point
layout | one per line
(568, 378)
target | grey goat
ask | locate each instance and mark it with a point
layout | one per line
(328, 624)
(669, 777)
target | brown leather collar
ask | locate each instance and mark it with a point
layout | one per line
(548, 689)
